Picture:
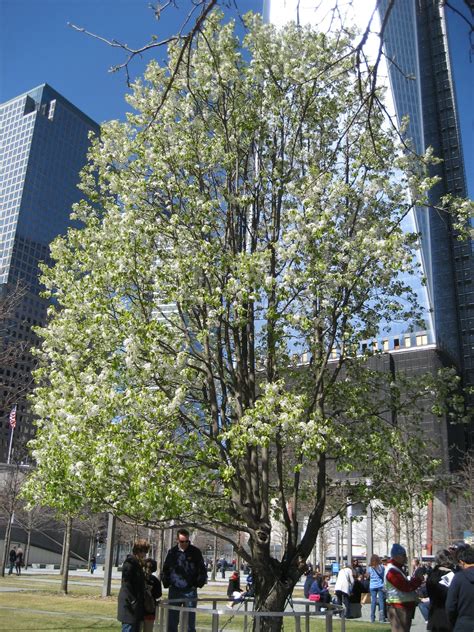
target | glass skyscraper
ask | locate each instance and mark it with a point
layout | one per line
(43, 146)
(417, 45)
(419, 38)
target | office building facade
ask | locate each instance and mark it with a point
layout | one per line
(422, 86)
(43, 146)
(417, 45)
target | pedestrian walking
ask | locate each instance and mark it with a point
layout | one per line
(12, 560)
(183, 573)
(19, 560)
(93, 565)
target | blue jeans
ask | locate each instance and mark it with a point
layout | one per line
(424, 608)
(185, 598)
(377, 594)
(131, 627)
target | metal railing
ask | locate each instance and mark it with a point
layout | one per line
(248, 620)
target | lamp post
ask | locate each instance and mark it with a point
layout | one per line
(109, 548)
(349, 535)
(370, 527)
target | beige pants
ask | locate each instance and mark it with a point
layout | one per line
(400, 618)
(148, 626)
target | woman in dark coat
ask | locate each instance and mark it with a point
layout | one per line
(437, 593)
(131, 599)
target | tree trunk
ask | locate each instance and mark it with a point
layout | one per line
(27, 548)
(214, 560)
(6, 544)
(271, 595)
(91, 550)
(61, 566)
(65, 558)
(274, 582)
(159, 549)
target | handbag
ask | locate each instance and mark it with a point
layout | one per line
(315, 597)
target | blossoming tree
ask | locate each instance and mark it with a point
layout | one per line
(253, 217)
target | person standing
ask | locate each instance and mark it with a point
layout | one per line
(437, 591)
(222, 564)
(307, 582)
(131, 598)
(93, 564)
(12, 560)
(401, 591)
(343, 587)
(19, 560)
(183, 573)
(377, 595)
(152, 594)
(460, 598)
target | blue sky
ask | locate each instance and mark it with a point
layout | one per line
(37, 46)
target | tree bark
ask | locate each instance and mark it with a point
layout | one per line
(274, 582)
(91, 550)
(65, 557)
(271, 596)
(27, 548)
(6, 545)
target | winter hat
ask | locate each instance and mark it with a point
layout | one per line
(397, 549)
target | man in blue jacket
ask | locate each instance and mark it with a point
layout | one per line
(183, 573)
(460, 599)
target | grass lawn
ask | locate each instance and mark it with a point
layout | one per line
(48, 610)
(34, 603)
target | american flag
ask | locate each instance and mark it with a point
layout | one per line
(12, 418)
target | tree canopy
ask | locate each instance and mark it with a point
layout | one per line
(238, 244)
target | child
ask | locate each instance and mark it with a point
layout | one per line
(234, 591)
(152, 594)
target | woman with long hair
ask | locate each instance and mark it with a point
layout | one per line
(376, 572)
(437, 590)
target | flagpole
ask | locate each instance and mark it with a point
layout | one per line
(12, 423)
(12, 430)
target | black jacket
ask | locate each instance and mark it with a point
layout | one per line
(184, 569)
(460, 601)
(153, 590)
(131, 597)
(437, 617)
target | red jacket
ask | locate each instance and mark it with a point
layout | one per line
(401, 583)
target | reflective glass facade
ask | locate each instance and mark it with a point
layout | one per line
(416, 41)
(394, 335)
(43, 146)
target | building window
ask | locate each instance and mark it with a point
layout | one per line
(421, 340)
